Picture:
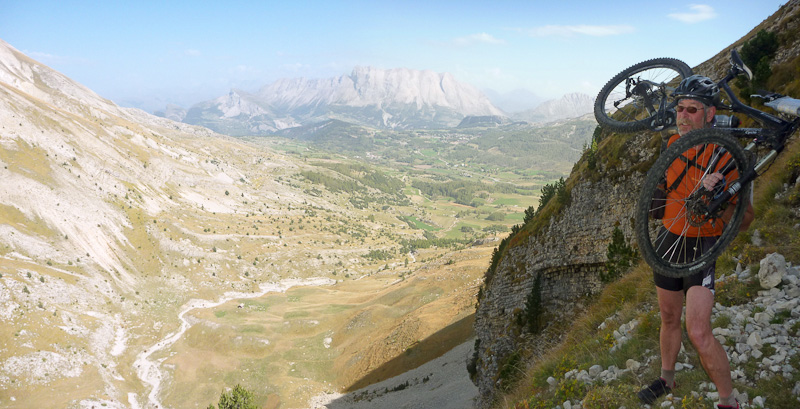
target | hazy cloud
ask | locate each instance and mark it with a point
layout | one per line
(570, 31)
(495, 72)
(480, 38)
(245, 69)
(697, 13)
(47, 58)
(295, 67)
(192, 52)
(41, 56)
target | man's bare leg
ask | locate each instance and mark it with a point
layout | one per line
(699, 302)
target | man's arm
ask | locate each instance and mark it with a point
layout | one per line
(709, 182)
(749, 215)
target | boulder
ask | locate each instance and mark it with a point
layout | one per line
(773, 268)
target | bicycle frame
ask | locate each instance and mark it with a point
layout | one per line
(691, 211)
(775, 132)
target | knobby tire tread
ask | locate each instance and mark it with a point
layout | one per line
(613, 125)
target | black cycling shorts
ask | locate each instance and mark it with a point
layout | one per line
(703, 278)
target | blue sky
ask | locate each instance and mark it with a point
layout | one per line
(156, 52)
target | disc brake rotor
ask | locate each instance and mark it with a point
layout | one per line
(697, 209)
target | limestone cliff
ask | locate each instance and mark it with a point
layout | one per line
(567, 255)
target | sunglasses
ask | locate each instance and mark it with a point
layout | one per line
(691, 110)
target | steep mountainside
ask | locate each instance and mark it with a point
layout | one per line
(559, 254)
(397, 98)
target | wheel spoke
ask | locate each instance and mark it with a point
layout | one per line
(684, 240)
(630, 99)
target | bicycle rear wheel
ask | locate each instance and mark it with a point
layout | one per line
(677, 244)
(629, 102)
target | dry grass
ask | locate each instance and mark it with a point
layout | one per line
(585, 344)
(374, 328)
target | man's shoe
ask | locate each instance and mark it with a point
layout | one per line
(729, 407)
(658, 388)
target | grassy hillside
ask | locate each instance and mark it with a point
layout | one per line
(619, 328)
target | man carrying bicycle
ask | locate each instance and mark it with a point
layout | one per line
(696, 99)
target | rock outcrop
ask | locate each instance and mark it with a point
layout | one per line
(567, 256)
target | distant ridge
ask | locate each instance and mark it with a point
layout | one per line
(397, 98)
(569, 106)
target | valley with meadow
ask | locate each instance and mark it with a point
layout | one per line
(148, 263)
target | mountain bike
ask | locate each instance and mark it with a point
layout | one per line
(674, 222)
(636, 98)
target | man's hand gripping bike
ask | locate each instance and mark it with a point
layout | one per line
(639, 98)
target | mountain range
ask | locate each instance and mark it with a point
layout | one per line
(147, 263)
(380, 98)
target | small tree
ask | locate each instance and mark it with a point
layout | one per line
(496, 217)
(236, 398)
(530, 212)
(591, 152)
(534, 310)
(757, 52)
(619, 256)
(557, 190)
(760, 50)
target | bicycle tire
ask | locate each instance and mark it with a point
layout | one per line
(649, 231)
(617, 110)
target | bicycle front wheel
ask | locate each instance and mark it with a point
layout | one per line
(629, 102)
(687, 237)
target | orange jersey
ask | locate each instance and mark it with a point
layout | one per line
(693, 167)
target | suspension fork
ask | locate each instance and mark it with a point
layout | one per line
(748, 176)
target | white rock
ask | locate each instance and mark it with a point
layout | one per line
(796, 389)
(754, 340)
(633, 365)
(773, 268)
(756, 238)
(785, 305)
(791, 279)
(743, 397)
(763, 318)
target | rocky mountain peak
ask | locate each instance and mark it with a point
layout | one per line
(387, 98)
